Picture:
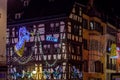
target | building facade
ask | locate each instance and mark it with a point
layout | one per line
(53, 51)
(70, 46)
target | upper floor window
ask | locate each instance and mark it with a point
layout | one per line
(85, 24)
(18, 15)
(25, 2)
(91, 25)
(80, 11)
(73, 10)
(109, 42)
(75, 29)
(111, 31)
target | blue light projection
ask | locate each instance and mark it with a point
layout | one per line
(24, 35)
(15, 75)
(76, 73)
(50, 38)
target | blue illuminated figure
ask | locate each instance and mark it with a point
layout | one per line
(24, 35)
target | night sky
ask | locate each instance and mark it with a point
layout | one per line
(109, 7)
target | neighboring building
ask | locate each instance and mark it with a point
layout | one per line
(93, 48)
(3, 25)
(111, 38)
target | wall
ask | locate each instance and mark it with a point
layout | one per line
(3, 21)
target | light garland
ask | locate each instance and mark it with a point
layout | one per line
(40, 48)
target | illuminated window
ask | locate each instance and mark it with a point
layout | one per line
(69, 29)
(80, 11)
(18, 15)
(41, 30)
(63, 49)
(26, 3)
(57, 24)
(91, 26)
(73, 10)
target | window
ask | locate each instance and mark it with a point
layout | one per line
(26, 3)
(77, 10)
(85, 44)
(80, 11)
(109, 42)
(111, 31)
(73, 10)
(98, 66)
(18, 15)
(98, 27)
(75, 29)
(107, 62)
(86, 66)
(85, 24)
(91, 26)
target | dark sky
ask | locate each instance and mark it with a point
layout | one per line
(107, 6)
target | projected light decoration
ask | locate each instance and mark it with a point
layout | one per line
(76, 73)
(21, 75)
(24, 36)
(57, 73)
(40, 48)
(19, 48)
(50, 38)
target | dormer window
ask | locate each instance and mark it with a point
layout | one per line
(18, 15)
(26, 3)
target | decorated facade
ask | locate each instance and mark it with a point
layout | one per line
(45, 49)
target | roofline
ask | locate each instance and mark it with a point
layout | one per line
(33, 20)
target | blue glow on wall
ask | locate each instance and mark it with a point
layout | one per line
(50, 38)
(24, 35)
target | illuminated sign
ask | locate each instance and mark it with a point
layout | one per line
(24, 35)
(50, 38)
